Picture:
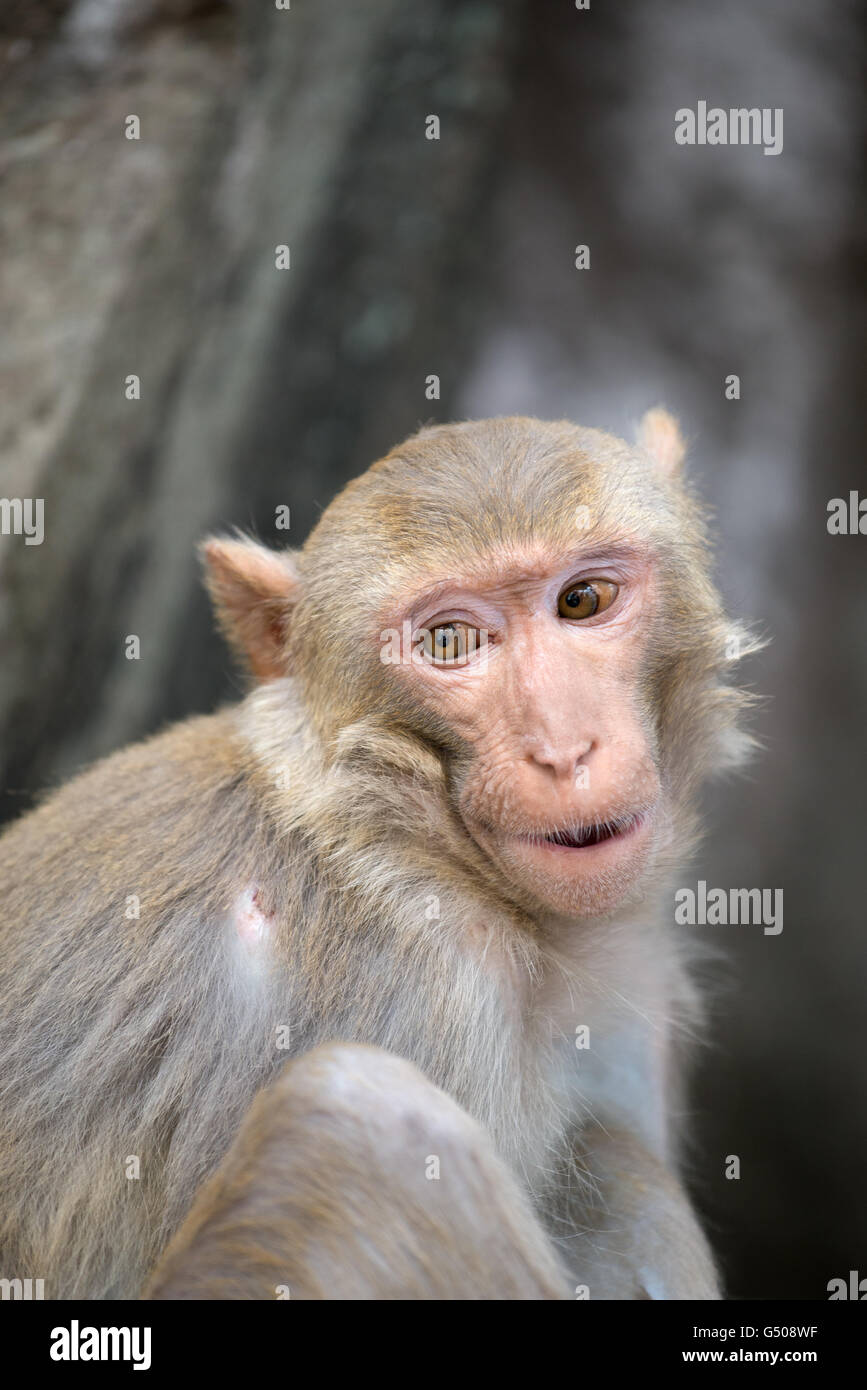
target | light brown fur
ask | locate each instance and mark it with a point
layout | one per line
(340, 1147)
(337, 794)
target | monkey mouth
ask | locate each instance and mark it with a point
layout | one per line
(583, 836)
(574, 839)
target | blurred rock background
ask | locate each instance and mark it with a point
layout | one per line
(409, 257)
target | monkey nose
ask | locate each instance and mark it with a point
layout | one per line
(560, 760)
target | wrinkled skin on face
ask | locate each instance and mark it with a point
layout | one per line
(559, 785)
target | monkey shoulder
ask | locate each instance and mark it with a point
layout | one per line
(169, 820)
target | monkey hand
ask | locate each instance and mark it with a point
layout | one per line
(638, 1235)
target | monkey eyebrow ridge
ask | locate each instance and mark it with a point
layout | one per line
(490, 577)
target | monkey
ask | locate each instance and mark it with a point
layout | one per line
(444, 824)
(320, 1161)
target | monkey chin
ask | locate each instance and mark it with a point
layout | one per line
(587, 881)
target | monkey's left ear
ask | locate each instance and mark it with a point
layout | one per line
(253, 590)
(659, 433)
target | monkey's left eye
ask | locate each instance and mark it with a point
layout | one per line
(586, 599)
(451, 644)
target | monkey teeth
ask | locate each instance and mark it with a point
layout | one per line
(591, 834)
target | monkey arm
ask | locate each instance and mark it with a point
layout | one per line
(352, 1177)
(636, 1235)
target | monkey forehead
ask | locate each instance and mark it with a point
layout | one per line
(452, 494)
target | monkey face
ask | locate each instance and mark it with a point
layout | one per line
(536, 666)
(531, 603)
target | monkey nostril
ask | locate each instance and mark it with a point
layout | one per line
(561, 761)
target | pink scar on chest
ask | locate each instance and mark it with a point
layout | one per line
(252, 924)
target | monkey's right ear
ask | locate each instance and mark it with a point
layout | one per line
(253, 590)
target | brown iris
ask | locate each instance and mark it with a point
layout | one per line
(452, 643)
(586, 598)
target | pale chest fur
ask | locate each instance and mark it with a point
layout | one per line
(573, 1033)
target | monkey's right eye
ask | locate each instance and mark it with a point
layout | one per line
(451, 644)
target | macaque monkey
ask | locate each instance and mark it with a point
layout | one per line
(446, 825)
